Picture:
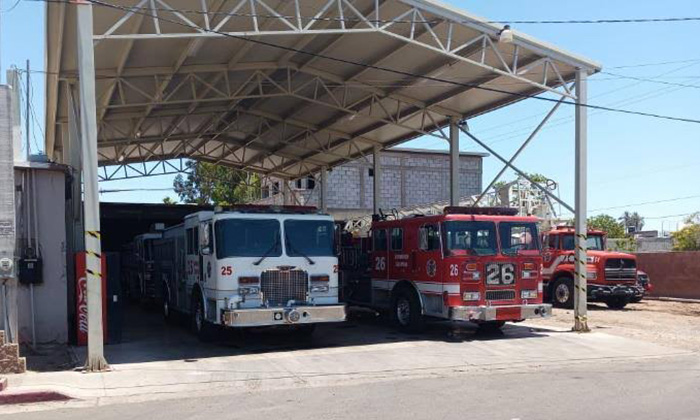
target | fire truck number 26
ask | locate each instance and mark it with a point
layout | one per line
(500, 274)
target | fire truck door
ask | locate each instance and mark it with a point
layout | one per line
(207, 262)
(399, 259)
(428, 263)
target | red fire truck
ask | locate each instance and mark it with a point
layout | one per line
(612, 277)
(467, 264)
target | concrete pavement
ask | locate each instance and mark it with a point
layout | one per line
(168, 363)
(665, 388)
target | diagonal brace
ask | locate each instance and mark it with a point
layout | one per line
(517, 153)
(510, 165)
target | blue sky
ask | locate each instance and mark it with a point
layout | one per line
(632, 159)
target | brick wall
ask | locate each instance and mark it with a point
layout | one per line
(673, 274)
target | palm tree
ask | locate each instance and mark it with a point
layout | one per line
(632, 220)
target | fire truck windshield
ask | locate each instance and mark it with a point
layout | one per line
(518, 238)
(471, 238)
(247, 238)
(593, 243)
(309, 238)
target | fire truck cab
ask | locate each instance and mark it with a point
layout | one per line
(612, 277)
(251, 266)
(468, 264)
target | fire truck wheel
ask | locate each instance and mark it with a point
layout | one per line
(200, 325)
(563, 293)
(167, 310)
(406, 311)
(617, 303)
(491, 326)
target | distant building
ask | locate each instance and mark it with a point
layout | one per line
(410, 177)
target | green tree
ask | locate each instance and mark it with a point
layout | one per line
(688, 238)
(608, 224)
(168, 200)
(207, 183)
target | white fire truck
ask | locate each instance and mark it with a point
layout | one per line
(138, 266)
(251, 266)
(468, 264)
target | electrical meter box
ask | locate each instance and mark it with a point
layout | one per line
(30, 271)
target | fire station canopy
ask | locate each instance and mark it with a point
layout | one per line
(286, 87)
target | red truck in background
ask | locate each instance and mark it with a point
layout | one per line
(468, 264)
(612, 277)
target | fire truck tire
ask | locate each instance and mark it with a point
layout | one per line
(201, 327)
(166, 307)
(406, 310)
(563, 293)
(491, 326)
(617, 303)
(636, 299)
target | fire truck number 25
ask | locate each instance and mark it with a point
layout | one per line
(500, 274)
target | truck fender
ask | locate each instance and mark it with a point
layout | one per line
(412, 286)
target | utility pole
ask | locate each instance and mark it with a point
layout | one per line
(28, 110)
(581, 165)
(88, 138)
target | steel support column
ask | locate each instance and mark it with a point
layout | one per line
(454, 162)
(580, 287)
(377, 190)
(323, 191)
(88, 135)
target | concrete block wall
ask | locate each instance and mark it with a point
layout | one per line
(408, 179)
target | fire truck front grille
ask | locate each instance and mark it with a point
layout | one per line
(620, 269)
(500, 294)
(281, 286)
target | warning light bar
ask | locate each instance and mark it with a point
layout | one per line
(252, 208)
(483, 211)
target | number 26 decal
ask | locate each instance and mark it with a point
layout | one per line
(226, 270)
(380, 263)
(454, 270)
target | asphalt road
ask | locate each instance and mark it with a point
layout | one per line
(658, 388)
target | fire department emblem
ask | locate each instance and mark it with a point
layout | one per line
(547, 257)
(431, 268)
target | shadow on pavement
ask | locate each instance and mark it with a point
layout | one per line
(148, 338)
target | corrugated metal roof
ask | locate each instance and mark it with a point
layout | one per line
(287, 87)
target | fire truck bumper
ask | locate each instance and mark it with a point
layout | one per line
(500, 313)
(283, 316)
(628, 291)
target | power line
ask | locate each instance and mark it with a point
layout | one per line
(670, 200)
(643, 79)
(395, 71)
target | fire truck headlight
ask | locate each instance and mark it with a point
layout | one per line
(591, 275)
(320, 289)
(471, 296)
(529, 274)
(245, 291)
(528, 294)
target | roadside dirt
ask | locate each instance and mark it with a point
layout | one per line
(671, 324)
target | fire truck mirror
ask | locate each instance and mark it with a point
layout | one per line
(206, 251)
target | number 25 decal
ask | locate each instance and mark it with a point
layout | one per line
(226, 270)
(380, 263)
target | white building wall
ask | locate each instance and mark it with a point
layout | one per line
(51, 296)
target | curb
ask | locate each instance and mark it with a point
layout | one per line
(28, 397)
